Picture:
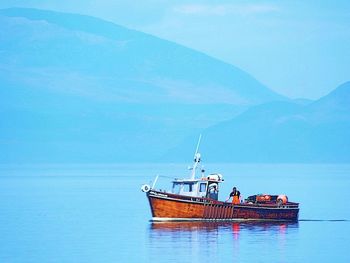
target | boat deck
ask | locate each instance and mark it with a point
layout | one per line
(167, 206)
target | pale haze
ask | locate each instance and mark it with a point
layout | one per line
(100, 98)
(299, 49)
(77, 88)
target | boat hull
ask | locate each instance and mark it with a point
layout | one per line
(171, 207)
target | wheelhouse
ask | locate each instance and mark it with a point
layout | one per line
(206, 187)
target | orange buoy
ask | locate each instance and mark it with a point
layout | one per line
(267, 197)
(263, 198)
(282, 199)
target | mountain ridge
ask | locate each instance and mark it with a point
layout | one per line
(281, 132)
(152, 57)
(71, 95)
(79, 89)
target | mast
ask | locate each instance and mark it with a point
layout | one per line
(197, 158)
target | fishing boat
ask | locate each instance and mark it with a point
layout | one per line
(196, 199)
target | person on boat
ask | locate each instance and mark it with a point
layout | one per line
(213, 191)
(235, 194)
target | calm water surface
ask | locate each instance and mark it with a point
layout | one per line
(97, 213)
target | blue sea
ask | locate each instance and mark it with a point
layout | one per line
(97, 213)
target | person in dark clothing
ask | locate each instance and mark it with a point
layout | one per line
(235, 194)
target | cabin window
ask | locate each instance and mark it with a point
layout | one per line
(202, 187)
(188, 187)
(176, 188)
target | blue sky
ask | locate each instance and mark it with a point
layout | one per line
(297, 48)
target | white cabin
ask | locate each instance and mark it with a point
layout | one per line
(207, 187)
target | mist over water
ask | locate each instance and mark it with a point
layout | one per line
(97, 213)
(81, 89)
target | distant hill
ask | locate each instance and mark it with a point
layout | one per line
(281, 132)
(91, 54)
(76, 88)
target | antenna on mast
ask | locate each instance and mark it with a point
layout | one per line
(197, 158)
(197, 148)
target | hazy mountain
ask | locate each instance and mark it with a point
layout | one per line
(335, 107)
(76, 88)
(302, 101)
(94, 57)
(281, 132)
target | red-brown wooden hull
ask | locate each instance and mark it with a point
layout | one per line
(166, 206)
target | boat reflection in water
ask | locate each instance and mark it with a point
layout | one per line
(217, 241)
(209, 227)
